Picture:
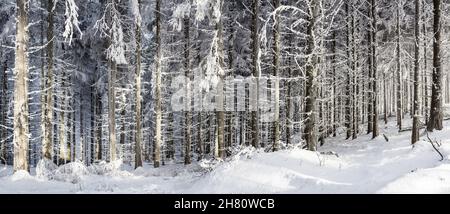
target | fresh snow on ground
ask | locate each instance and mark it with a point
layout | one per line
(340, 166)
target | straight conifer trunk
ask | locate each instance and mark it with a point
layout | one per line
(20, 141)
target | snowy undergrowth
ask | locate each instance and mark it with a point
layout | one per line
(362, 165)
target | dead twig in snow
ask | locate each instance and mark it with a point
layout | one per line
(434, 147)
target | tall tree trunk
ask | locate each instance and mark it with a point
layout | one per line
(354, 77)
(187, 73)
(370, 82)
(335, 96)
(311, 75)
(170, 146)
(112, 72)
(256, 73)
(4, 113)
(89, 151)
(98, 124)
(415, 128)
(436, 115)
(276, 63)
(200, 142)
(42, 76)
(289, 100)
(200, 137)
(63, 148)
(138, 99)
(399, 73)
(348, 88)
(72, 128)
(375, 131)
(231, 119)
(220, 93)
(425, 65)
(21, 89)
(112, 109)
(157, 141)
(47, 128)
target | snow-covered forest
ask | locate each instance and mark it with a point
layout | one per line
(224, 96)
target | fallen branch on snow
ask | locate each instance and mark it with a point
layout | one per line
(434, 147)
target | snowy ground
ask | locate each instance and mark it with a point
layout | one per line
(360, 166)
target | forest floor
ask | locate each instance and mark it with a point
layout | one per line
(362, 165)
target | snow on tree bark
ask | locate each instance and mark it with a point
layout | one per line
(255, 72)
(158, 128)
(399, 73)
(415, 128)
(276, 63)
(220, 112)
(47, 126)
(375, 131)
(138, 137)
(311, 75)
(187, 113)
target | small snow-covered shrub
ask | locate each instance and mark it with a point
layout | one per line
(208, 164)
(247, 152)
(104, 168)
(71, 172)
(45, 169)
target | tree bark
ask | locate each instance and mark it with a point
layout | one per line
(187, 73)
(436, 114)
(354, 77)
(4, 113)
(47, 128)
(375, 130)
(415, 129)
(138, 99)
(311, 75)
(399, 73)
(112, 109)
(157, 141)
(370, 82)
(21, 89)
(220, 95)
(63, 144)
(256, 73)
(276, 63)
(335, 96)
(98, 124)
(348, 88)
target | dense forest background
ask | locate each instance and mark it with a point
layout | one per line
(92, 80)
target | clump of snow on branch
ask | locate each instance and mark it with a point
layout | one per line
(208, 9)
(116, 50)
(217, 10)
(272, 18)
(202, 7)
(113, 30)
(136, 12)
(213, 67)
(71, 22)
(181, 11)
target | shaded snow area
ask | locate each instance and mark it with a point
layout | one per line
(340, 166)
